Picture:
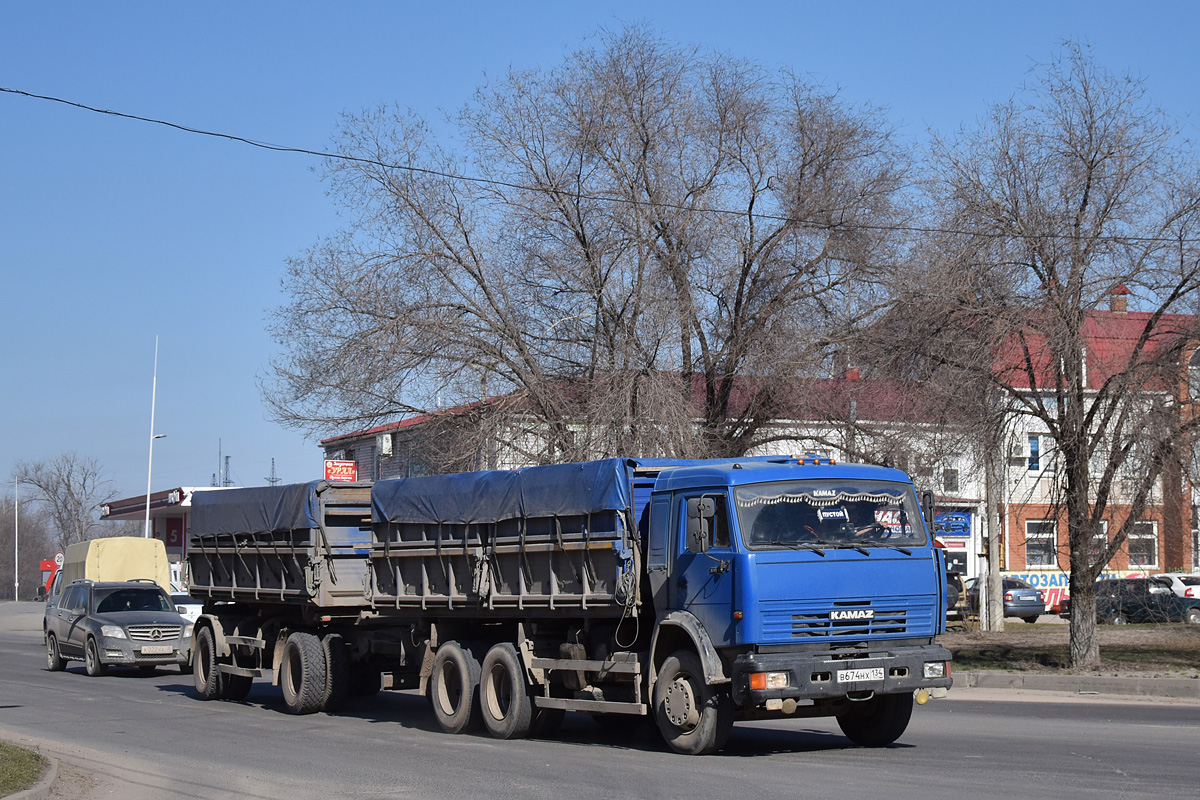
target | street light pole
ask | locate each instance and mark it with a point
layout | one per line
(153, 436)
(16, 540)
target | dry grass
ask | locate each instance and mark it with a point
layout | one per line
(19, 769)
(1167, 650)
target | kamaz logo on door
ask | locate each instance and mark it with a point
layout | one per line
(852, 613)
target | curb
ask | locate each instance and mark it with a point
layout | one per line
(1082, 684)
(40, 790)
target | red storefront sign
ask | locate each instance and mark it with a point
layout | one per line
(341, 470)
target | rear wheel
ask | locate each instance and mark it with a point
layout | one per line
(54, 660)
(1116, 618)
(694, 717)
(877, 722)
(337, 672)
(1192, 616)
(503, 694)
(303, 673)
(91, 659)
(454, 688)
(147, 669)
(205, 675)
(1032, 619)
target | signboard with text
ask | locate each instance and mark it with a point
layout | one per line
(341, 470)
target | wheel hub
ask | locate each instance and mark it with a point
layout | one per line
(679, 704)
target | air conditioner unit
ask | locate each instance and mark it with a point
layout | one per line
(383, 445)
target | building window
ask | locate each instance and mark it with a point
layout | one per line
(1041, 544)
(1035, 452)
(950, 481)
(1143, 545)
(1099, 542)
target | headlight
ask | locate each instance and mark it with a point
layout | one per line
(935, 669)
(187, 631)
(112, 631)
(760, 681)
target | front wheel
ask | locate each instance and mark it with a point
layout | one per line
(54, 660)
(694, 717)
(91, 659)
(1031, 620)
(876, 722)
(1116, 619)
(504, 700)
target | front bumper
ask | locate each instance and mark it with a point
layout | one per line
(124, 652)
(837, 674)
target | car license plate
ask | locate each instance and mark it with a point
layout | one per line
(860, 675)
(156, 649)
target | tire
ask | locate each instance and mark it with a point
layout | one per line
(54, 660)
(186, 667)
(694, 717)
(302, 673)
(91, 659)
(1031, 620)
(1192, 616)
(205, 675)
(877, 722)
(454, 688)
(235, 687)
(546, 722)
(1116, 618)
(504, 701)
(337, 672)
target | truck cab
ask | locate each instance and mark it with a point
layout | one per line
(814, 588)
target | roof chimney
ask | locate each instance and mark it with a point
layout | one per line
(1119, 301)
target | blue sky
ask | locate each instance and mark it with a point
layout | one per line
(114, 231)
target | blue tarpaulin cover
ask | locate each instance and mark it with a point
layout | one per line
(481, 497)
(265, 509)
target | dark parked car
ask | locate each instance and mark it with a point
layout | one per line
(1152, 599)
(125, 624)
(1020, 599)
(955, 596)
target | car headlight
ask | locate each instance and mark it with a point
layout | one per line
(112, 631)
(187, 631)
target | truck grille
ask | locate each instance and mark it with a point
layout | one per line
(790, 621)
(154, 633)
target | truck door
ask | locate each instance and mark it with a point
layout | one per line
(702, 579)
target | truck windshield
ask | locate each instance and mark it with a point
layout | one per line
(831, 513)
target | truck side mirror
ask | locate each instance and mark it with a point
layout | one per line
(927, 508)
(700, 511)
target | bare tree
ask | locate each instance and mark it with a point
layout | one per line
(35, 544)
(647, 226)
(1058, 198)
(71, 490)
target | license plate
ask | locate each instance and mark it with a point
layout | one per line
(156, 649)
(860, 675)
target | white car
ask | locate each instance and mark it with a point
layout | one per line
(1184, 584)
(187, 606)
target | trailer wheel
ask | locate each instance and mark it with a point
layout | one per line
(303, 673)
(694, 717)
(205, 675)
(877, 722)
(503, 694)
(337, 672)
(235, 687)
(454, 688)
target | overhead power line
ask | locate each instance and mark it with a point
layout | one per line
(279, 148)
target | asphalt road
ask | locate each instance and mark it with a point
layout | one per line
(147, 738)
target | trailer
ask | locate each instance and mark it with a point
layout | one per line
(694, 592)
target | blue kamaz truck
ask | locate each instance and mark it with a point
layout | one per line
(699, 592)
